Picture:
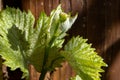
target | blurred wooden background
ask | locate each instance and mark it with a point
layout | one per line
(98, 20)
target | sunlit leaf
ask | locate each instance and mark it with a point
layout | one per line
(83, 59)
(14, 30)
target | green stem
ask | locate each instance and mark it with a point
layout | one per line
(43, 73)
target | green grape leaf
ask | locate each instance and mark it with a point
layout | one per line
(14, 30)
(83, 59)
(22, 44)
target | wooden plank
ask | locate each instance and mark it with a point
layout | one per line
(67, 72)
(1, 5)
(80, 26)
(32, 6)
(39, 7)
(112, 43)
(108, 37)
(35, 6)
(48, 6)
(55, 3)
(66, 5)
(56, 74)
(34, 75)
(96, 24)
(77, 6)
(25, 5)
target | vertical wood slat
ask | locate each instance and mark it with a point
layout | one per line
(1, 5)
(39, 7)
(34, 75)
(56, 75)
(63, 73)
(109, 39)
(66, 5)
(55, 3)
(112, 42)
(48, 6)
(77, 6)
(36, 6)
(95, 24)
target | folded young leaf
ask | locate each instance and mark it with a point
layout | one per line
(48, 36)
(83, 59)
